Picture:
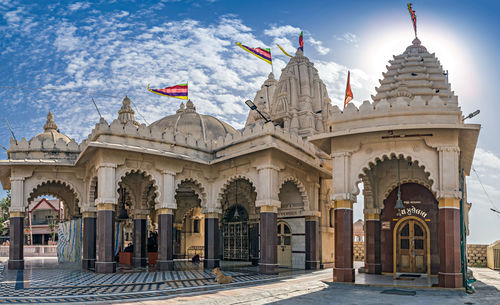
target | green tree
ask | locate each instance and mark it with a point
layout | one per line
(4, 211)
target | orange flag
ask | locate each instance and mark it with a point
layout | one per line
(348, 91)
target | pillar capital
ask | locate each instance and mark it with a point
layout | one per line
(343, 204)
(89, 214)
(268, 209)
(105, 165)
(106, 206)
(162, 211)
(449, 203)
(343, 196)
(268, 202)
(16, 214)
(211, 214)
(140, 216)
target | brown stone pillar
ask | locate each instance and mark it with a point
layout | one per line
(253, 232)
(343, 270)
(16, 245)
(312, 244)
(89, 240)
(105, 261)
(373, 263)
(211, 259)
(140, 258)
(449, 275)
(165, 240)
(268, 240)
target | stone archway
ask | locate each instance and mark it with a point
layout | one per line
(240, 222)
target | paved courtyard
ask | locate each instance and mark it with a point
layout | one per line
(44, 281)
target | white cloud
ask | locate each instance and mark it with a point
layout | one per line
(78, 6)
(349, 38)
(281, 31)
(319, 46)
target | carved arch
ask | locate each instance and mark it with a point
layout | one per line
(231, 180)
(300, 186)
(49, 187)
(122, 172)
(199, 190)
(370, 163)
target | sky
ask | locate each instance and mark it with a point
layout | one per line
(76, 51)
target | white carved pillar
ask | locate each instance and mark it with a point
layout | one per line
(450, 275)
(16, 218)
(165, 210)
(106, 202)
(268, 201)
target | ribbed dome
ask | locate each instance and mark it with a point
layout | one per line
(188, 121)
(416, 72)
(51, 132)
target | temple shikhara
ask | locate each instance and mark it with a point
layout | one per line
(277, 193)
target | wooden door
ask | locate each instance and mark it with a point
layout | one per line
(284, 245)
(411, 249)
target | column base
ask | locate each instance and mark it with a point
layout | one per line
(16, 264)
(164, 265)
(210, 263)
(450, 280)
(345, 275)
(268, 268)
(139, 261)
(312, 265)
(105, 267)
(373, 268)
(88, 264)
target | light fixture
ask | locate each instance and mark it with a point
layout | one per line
(399, 202)
(471, 115)
(252, 106)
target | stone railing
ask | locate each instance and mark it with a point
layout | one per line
(358, 250)
(476, 255)
(32, 251)
(155, 134)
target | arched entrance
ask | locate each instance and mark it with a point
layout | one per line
(284, 244)
(411, 246)
(235, 234)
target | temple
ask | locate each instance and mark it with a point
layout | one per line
(278, 193)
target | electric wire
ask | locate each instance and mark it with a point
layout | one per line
(485, 192)
(88, 93)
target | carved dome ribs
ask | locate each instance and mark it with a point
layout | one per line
(187, 121)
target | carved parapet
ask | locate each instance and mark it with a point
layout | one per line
(400, 110)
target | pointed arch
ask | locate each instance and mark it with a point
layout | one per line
(300, 186)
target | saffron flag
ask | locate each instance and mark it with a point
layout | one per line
(264, 54)
(177, 91)
(283, 50)
(301, 41)
(413, 18)
(348, 91)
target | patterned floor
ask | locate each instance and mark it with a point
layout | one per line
(53, 283)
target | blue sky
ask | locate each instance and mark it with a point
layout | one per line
(112, 48)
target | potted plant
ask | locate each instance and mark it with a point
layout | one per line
(125, 257)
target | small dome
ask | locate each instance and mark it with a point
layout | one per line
(51, 131)
(187, 121)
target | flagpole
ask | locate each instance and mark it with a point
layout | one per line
(272, 66)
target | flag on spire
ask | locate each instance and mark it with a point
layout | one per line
(348, 91)
(177, 91)
(413, 18)
(264, 54)
(283, 50)
(301, 41)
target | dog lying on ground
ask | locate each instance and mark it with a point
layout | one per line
(220, 277)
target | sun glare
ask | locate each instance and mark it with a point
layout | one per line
(387, 40)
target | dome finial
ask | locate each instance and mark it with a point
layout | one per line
(126, 113)
(416, 41)
(190, 106)
(50, 124)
